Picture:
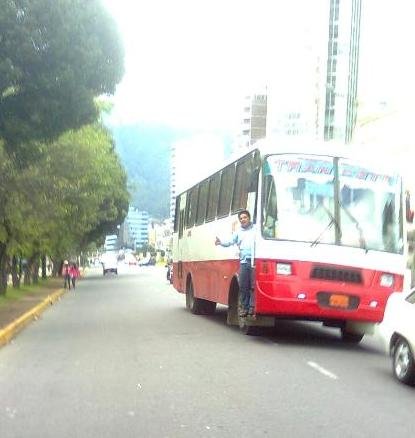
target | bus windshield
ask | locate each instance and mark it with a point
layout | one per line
(326, 200)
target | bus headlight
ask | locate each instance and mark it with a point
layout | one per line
(386, 280)
(284, 268)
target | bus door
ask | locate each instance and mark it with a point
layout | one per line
(179, 224)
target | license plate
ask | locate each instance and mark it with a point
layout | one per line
(339, 301)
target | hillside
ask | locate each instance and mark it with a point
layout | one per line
(145, 153)
(144, 150)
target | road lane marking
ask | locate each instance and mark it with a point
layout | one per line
(322, 370)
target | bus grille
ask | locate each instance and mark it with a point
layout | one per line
(333, 274)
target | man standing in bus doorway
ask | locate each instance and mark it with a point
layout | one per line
(244, 238)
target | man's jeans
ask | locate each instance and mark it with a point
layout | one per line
(245, 285)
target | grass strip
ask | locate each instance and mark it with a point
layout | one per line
(43, 286)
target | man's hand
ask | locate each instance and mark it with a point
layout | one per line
(217, 241)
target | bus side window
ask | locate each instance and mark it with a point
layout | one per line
(226, 190)
(181, 223)
(176, 215)
(202, 204)
(191, 206)
(270, 212)
(246, 181)
(213, 197)
(179, 216)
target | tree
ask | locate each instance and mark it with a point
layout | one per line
(86, 187)
(70, 197)
(55, 57)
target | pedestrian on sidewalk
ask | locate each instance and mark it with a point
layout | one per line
(74, 273)
(66, 275)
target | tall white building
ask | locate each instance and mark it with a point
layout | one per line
(314, 92)
(340, 109)
(254, 120)
(135, 228)
(111, 242)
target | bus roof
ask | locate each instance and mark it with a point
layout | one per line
(386, 162)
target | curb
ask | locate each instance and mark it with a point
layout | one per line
(8, 332)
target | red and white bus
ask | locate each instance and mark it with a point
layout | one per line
(330, 243)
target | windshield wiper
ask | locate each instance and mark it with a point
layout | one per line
(318, 239)
(362, 240)
(329, 225)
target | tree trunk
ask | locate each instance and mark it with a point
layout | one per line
(44, 271)
(15, 272)
(56, 267)
(35, 269)
(26, 272)
(3, 269)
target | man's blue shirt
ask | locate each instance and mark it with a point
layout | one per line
(244, 238)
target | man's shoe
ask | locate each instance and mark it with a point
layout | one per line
(243, 313)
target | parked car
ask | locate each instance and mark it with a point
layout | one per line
(398, 332)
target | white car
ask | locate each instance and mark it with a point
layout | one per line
(398, 332)
(109, 263)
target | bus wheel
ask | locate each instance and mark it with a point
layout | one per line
(232, 313)
(198, 306)
(351, 338)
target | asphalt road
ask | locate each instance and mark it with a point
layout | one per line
(121, 357)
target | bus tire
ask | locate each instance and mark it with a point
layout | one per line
(207, 307)
(350, 337)
(198, 306)
(233, 304)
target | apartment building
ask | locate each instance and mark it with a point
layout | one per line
(134, 232)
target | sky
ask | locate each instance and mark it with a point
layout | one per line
(189, 63)
(386, 62)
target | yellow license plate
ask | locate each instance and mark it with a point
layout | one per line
(339, 301)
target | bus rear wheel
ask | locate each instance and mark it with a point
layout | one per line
(198, 306)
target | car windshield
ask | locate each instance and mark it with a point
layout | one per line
(304, 200)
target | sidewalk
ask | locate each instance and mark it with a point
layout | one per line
(15, 314)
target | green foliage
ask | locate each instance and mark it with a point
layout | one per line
(72, 195)
(86, 186)
(55, 57)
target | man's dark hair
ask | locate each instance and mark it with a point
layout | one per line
(244, 212)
